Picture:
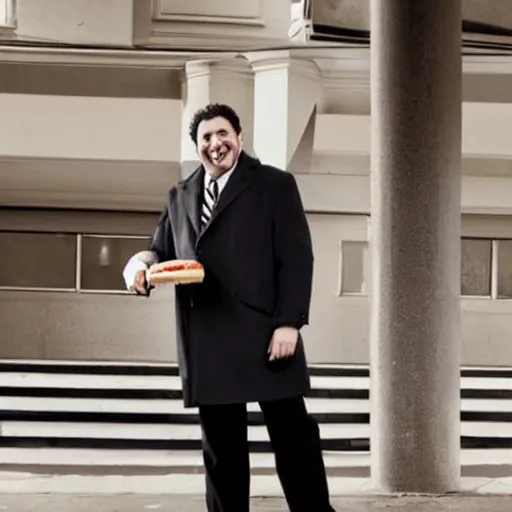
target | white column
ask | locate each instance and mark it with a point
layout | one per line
(286, 92)
(416, 197)
(227, 81)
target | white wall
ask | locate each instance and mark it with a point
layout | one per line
(486, 131)
(95, 128)
(92, 22)
(67, 325)
(61, 325)
(121, 327)
(118, 327)
(150, 129)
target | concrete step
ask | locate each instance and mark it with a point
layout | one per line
(148, 382)
(120, 460)
(151, 458)
(158, 431)
(194, 484)
(141, 406)
(144, 406)
(162, 432)
(132, 407)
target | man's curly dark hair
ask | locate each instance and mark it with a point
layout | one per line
(212, 111)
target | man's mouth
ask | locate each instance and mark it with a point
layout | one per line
(217, 156)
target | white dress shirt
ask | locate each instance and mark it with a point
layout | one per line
(144, 259)
(222, 180)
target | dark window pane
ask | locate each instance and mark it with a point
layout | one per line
(505, 269)
(103, 260)
(354, 271)
(476, 267)
(37, 260)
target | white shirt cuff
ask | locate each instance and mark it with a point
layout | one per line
(138, 262)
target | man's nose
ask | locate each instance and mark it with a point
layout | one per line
(215, 142)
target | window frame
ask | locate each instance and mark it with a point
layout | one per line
(492, 277)
(78, 263)
(494, 271)
(367, 279)
(42, 288)
(498, 297)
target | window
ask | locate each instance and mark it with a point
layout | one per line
(103, 259)
(355, 266)
(487, 268)
(66, 262)
(37, 260)
(476, 267)
(504, 270)
(94, 263)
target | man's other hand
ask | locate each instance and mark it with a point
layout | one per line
(283, 343)
(140, 285)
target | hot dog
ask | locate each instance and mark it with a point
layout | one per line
(175, 271)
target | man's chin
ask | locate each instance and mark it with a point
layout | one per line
(222, 166)
(218, 167)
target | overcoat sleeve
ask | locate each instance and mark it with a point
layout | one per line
(162, 241)
(293, 256)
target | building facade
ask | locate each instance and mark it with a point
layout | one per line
(95, 100)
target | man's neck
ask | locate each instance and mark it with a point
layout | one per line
(215, 174)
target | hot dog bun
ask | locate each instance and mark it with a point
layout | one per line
(175, 271)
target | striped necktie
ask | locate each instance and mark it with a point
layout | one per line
(210, 197)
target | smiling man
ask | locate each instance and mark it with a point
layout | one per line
(239, 330)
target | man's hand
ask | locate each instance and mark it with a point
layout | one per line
(134, 272)
(283, 343)
(140, 283)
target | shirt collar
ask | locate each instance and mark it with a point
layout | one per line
(222, 179)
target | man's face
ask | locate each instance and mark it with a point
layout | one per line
(218, 145)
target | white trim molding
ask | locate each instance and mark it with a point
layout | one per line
(101, 57)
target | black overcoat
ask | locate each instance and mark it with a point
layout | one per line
(258, 261)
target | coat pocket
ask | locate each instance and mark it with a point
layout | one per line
(258, 304)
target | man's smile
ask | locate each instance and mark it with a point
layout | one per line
(217, 155)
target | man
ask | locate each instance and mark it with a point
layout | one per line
(238, 331)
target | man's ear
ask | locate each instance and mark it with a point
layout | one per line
(241, 138)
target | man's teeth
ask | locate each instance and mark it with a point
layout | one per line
(218, 156)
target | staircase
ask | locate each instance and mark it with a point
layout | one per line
(110, 419)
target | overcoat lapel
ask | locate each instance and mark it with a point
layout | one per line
(236, 185)
(192, 196)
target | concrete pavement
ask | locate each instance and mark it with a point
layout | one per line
(167, 503)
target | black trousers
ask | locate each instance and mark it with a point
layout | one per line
(295, 440)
